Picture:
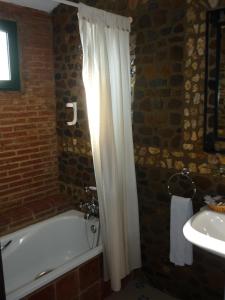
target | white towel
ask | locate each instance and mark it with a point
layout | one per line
(181, 251)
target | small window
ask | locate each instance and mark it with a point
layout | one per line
(9, 59)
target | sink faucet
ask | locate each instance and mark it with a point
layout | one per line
(91, 207)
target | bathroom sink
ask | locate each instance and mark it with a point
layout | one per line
(206, 229)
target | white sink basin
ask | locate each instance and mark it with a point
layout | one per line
(206, 229)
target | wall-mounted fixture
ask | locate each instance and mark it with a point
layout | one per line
(214, 125)
(182, 184)
(72, 105)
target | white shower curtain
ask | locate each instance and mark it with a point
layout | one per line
(106, 76)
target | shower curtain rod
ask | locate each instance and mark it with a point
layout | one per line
(77, 5)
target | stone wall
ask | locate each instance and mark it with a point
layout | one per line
(75, 161)
(167, 51)
(75, 158)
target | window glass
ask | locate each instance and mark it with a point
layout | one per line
(9, 56)
(4, 57)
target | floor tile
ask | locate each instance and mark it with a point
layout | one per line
(139, 289)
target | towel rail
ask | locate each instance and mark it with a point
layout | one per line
(184, 173)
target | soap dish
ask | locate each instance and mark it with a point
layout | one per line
(218, 208)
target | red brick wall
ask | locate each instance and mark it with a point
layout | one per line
(28, 146)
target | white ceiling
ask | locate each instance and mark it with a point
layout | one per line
(44, 5)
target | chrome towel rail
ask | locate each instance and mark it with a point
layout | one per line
(184, 173)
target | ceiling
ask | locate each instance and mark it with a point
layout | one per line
(44, 5)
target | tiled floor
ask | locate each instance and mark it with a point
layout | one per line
(139, 289)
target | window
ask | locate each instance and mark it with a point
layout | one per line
(9, 59)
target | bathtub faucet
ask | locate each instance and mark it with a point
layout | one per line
(90, 207)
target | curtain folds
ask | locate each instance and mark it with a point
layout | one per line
(106, 76)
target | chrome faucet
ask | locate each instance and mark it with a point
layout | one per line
(91, 207)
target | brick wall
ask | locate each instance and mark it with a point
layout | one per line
(28, 145)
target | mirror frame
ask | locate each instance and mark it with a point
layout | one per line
(210, 139)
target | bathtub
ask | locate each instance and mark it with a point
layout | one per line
(40, 253)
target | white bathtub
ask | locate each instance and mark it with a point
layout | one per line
(54, 246)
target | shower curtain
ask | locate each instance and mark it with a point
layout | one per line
(106, 76)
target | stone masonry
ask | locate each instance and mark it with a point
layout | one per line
(167, 67)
